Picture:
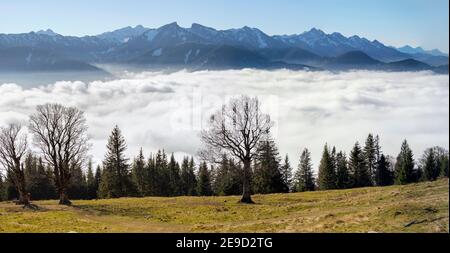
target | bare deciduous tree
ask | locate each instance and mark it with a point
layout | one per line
(236, 130)
(61, 135)
(13, 146)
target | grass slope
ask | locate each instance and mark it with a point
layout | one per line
(413, 208)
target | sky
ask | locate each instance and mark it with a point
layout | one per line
(396, 23)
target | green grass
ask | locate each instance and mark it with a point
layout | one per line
(385, 209)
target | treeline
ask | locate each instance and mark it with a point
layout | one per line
(367, 166)
(161, 175)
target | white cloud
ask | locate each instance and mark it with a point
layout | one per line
(165, 110)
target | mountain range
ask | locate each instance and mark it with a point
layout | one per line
(200, 47)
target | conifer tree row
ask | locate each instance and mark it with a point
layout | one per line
(160, 174)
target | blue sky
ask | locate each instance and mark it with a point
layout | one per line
(394, 22)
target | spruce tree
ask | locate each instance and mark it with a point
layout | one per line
(193, 178)
(286, 175)
(78, 186)
(333, 158)
(304, 177)
(116, 179)
(138, 171)
(11, 190)
(174, 177)
(378, 151)
(152, 177)
(441, 155)
(370, 153)
(444, 165)
(204, 181)
(2, 189)
(358, 168)
(383, 175)
(429, 165)
(107, 188)
(46, 186)
(91, 188)
(404, 167)
(327, 175)
(188, 179)
(235, 184)
(162, 173)
(221, 174)
(31, 175)
(434, 163)
(97, 180)
(227, 178)
(342, 174)
(267, 170)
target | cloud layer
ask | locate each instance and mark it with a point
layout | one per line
(161, 110)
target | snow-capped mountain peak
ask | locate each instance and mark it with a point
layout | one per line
(125, 34)
(204, 31)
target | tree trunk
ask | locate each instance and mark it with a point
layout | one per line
(246, 193)
(63, 198)
(24, 199)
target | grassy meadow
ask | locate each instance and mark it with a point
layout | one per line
(422, 207)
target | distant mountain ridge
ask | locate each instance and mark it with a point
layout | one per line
(199, 47)
(419, 50)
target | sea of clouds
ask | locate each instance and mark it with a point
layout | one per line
(167, 110)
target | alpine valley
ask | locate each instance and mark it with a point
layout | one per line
(203, 48)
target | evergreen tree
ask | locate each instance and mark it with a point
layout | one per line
(220, 176)
(383, 175)
(204, 181)
(162, 172)
(342, 174)
(267, 175)
(38, 180)
(434, 163)
(138, 171)
(429, 165)
(327, 175)
(78, 186)
(11, 190)
(2, 189)
(444, 165)
(227, 179)
(378, 151)
(116, 180)
(370, 154)
(441, 155)
(152, 177)
(91, 187)
(174, 177)
(107, 188)
(235, 183)
(188, 179)
(30, 172)
(42, 186)
(358, 168)
(97, 180)
(333, 158)
(404, 167)
(286, 175)
(304, 177)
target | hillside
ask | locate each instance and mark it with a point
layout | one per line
(420, 207)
